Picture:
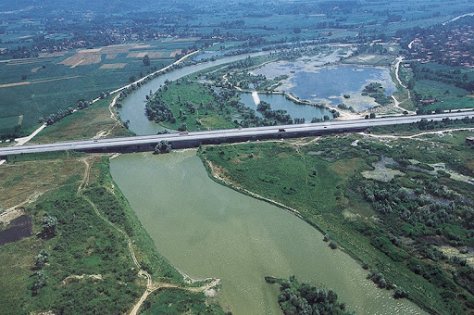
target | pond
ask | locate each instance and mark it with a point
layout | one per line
(19, 228)
(329, 84)
(278, 101)
(208, 230)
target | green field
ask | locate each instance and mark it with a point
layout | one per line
(84, 124)
(448, 96)
(179, 302)
(445, 84)
(8, 125)
(89, 268)
(43, 86)
(323, 180)
(309, 20)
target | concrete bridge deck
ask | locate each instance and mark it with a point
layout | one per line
(194, 139)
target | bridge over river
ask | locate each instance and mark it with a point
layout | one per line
(194, 139)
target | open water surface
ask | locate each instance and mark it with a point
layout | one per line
(208, 230)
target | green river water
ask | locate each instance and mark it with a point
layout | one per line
(208, 230)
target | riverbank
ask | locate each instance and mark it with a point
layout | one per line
(96, 226)
(237, 238)
(24, 140)
(337, 209)
(216, 175)
(134, 105)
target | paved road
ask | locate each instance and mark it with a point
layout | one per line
(192, 138)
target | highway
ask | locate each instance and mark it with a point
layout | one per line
(193, 139)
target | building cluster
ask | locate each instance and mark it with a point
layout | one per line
(453, 45)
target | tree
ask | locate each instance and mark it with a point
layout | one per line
(40, 281)
(41, 259)
(400, 294)
(163, 147)
(49, 226)
(146, 60)
(372, 115)
(302, 298)
(421, 111)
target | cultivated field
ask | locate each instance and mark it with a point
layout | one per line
(41, 86)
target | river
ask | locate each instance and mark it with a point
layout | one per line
(321, 84)
(133, 107)
(208, 230)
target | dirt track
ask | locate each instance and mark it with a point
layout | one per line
(150, 285)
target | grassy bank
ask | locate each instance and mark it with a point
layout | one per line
(80, 247)
(324, 181)
(179, 302)
(76, 262)
(113, 204)
(93, 121)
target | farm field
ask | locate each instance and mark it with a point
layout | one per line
(38, 87)
(447, 95)
(446, 85)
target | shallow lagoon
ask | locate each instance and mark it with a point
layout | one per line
(332, 82)
(329, 84)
